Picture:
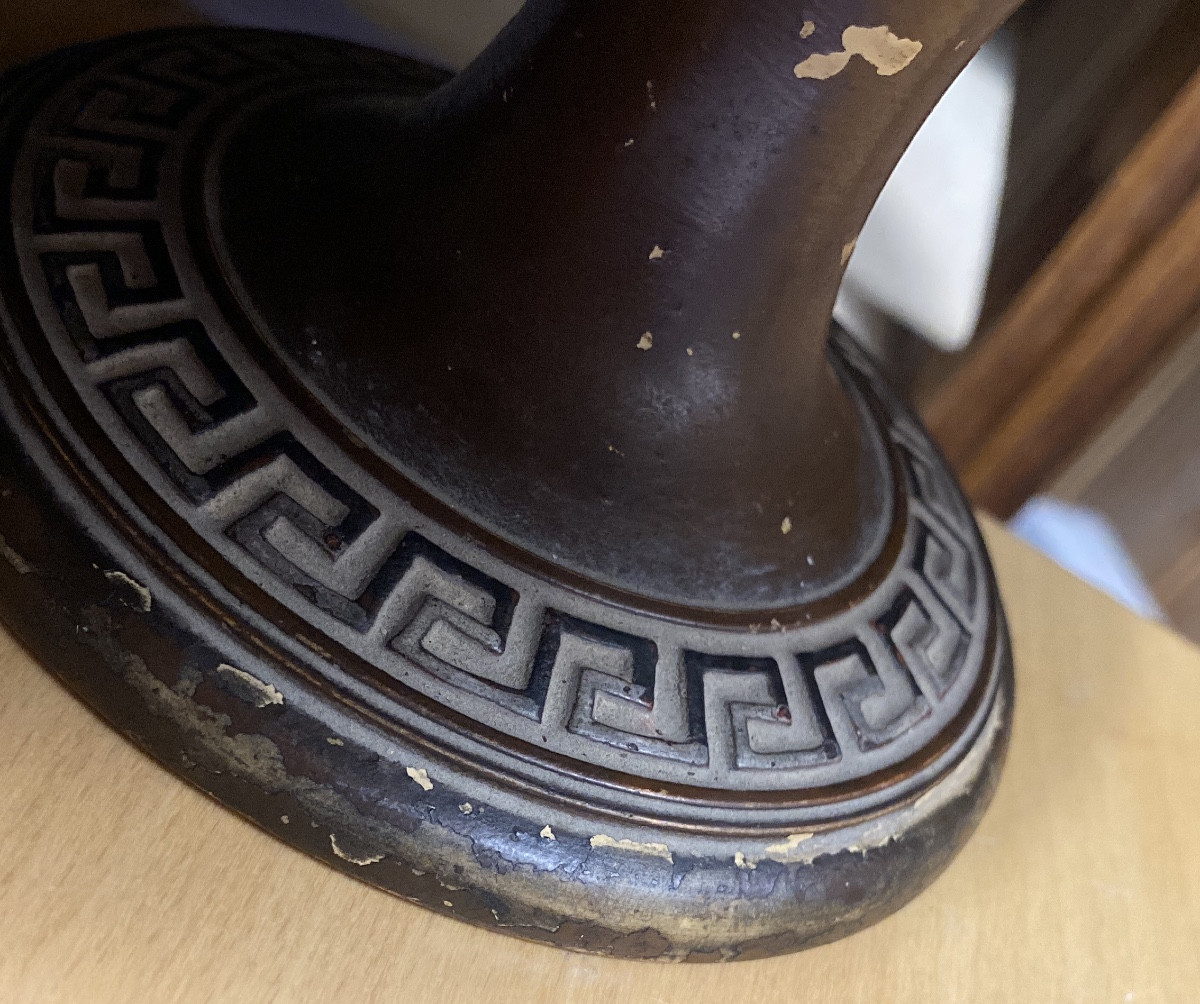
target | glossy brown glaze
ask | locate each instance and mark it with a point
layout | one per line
(455, 475)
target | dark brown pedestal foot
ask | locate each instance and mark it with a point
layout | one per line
(455, 476)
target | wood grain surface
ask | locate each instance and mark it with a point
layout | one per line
(1086, 330)
(120, 883)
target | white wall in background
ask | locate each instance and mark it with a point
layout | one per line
(924, 254)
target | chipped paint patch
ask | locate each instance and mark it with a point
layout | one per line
(334, 741)
(822, 65)
(656, 252)
(284, 820)
(848, 252)
(144, 598)
(785, 852)
(786, 526)
(743, 862)
(262, 693)
(654, 850)
(547, 833)
(421, 776)
(887, 52)
(447, 903)
(367, 860)
(21, 566)
(807, 29)
(465, 808)
(691, 351)
(646, 342)
(736, 335)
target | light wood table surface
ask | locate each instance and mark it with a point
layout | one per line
(120, 883)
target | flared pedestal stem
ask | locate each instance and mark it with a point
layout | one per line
(582, 292)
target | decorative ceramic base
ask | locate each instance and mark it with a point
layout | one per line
(215, 550)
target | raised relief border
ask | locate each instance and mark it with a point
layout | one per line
(245, 472)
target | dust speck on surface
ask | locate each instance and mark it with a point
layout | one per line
(447, 903)
(691, 351)
(887, 52)
(656, 253)
(421, 776)
(736, 335)
(646, 342)
(284, 820)
(786, 525)
(628, 143)
(613, 449)
(650, 95)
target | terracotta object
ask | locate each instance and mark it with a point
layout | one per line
(455, 476)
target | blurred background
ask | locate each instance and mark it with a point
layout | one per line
(1029, 280)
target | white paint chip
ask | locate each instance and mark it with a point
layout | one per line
(369, 860)
(744, 862)
(646, 342)
(447, 903)
(654, 850)
(421, 776)
(263, 693)
(334, 741)
(284, 820)
(547, 833)
(888, 53)
(691, 351)
(807, 29)
(786, 851)
(465, 808)
(786, 526)
(736, 335)
(656, 253)
(144, 600)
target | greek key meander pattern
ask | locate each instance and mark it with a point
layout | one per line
(105, 268)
